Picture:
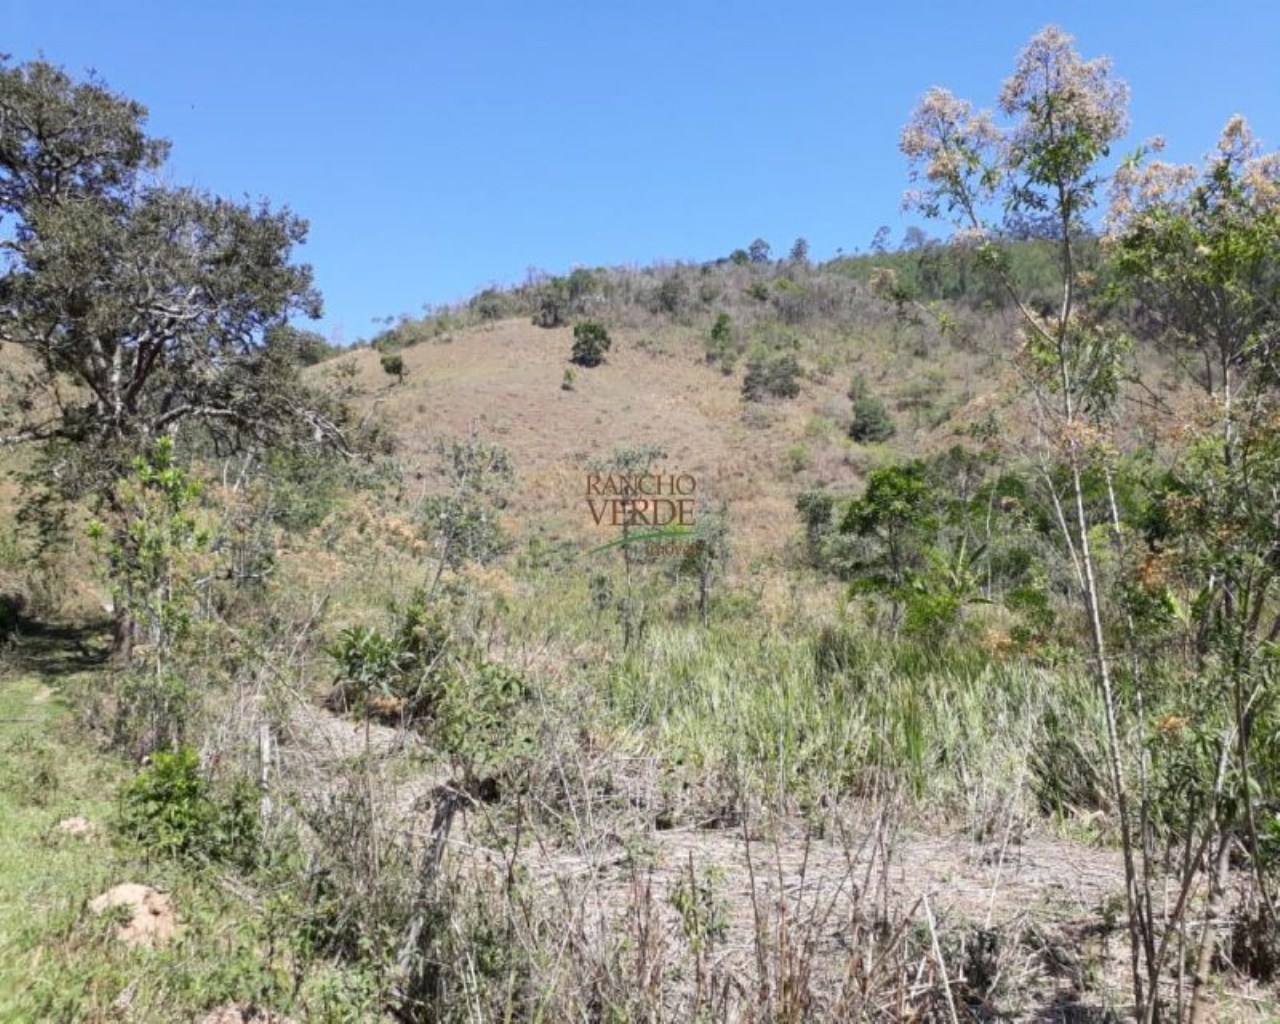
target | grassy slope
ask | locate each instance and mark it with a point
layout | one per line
(504, 380)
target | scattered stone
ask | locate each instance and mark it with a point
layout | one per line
(152, 921)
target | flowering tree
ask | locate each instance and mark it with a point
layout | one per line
(1200, 247)
(1060, 116)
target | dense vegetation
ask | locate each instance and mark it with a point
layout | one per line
(1049, 606)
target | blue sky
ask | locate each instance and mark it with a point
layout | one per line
(436, 148)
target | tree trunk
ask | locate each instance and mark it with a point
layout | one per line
(1213, 909)
(122, 629)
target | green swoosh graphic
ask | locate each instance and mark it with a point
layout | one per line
(666, 532)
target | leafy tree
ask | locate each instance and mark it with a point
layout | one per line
(722, 331)
(491, 304)
(871, 420)
(590, 342)
(139, 310)
(1199, 248)
(899, 511)
(154, 555)
(580, 286)
(800, 252)
(307, 347)
(913, 238)
(758, 251)
(671, 294)
(551, 303)
(721, 346)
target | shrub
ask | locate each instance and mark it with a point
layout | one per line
(590, 342)
(722, 346)
(464, 520)
(871, 421)
(491, 304)
(171, 808)
(393, 365)
(395, 675)
(775, 377)
(671, 295)
(551, 304)
(816, 510)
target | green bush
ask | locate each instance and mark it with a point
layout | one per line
(393, 365)
(671, 295)
(491, 304)
(172, 808)
(817, 509)
(722, 347)
(871, 421)
(590, 342)
(771, 377)
(400, 674)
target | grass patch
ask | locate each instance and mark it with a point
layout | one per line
(58, 962)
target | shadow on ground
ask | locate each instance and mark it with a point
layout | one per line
(58, 649)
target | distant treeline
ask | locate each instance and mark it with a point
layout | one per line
(752, 288)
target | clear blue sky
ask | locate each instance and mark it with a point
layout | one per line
(438, 147)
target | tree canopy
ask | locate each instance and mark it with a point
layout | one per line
(140, 308)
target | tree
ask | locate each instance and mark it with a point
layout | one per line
(1064, 113)
(758, 251)
(139, 311)
(871, 421)
(708, 554)
(590, 342)
(551, 303)
(899, 515)
(913, 238)
(816, 509)
(800, 252)
(1201, 249)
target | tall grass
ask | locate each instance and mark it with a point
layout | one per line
(843, 713)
